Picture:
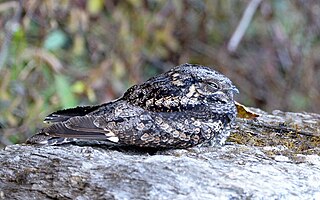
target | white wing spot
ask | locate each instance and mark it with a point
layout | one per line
(109, 134)
(114, 139)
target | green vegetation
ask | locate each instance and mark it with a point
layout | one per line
(58, 54)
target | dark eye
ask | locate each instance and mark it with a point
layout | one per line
(213, 85)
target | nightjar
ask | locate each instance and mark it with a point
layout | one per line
(186, 106)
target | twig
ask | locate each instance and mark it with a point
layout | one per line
(243, 25)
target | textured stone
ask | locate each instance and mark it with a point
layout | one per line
(232, 171)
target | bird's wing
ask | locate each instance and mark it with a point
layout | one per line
(157, 95)
(84, 122)
(64, 115)
(83, 127)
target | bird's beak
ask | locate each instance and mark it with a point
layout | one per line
(235, 90)
(232, 89)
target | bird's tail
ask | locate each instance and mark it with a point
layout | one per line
(42, 138)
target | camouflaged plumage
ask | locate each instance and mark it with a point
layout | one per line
(184, 107)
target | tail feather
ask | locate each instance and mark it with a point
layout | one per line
(61, 130)
(43, 139)
(73, 125)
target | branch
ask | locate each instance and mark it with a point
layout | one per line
(243, 25)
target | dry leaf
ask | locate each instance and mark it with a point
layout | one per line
(244, 112)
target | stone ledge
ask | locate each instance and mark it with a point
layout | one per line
(258, 162)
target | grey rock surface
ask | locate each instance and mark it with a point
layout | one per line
(232, 171)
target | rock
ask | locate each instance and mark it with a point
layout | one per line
(242, 169)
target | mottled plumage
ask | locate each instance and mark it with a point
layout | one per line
(184, 107)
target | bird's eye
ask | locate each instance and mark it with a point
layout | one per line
(213, 85)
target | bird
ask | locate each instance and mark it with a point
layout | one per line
(187, 106)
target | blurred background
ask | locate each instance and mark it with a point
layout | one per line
(62, 53)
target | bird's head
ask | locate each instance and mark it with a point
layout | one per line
(201, 81)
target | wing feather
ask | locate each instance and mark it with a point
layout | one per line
(64, 115)
(81, 127)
